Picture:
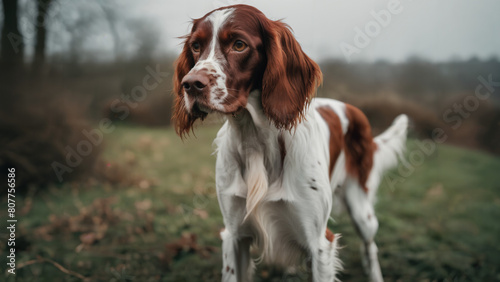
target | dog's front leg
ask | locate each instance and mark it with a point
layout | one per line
(236, 238)
(237, 263)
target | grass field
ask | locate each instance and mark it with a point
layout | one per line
(162, 224)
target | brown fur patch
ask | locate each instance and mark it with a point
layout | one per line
(360, 147)
(329, 235)
(336, 143)
(290, 78)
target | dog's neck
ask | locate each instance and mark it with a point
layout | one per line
(257, 134)
(252, 119)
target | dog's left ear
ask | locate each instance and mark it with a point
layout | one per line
(183, 121)
(290, 78)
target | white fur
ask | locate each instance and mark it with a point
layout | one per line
(187, 102)
(275, 207)
(390, 147)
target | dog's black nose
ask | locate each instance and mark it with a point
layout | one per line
(194, 83)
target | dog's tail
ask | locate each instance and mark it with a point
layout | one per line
(390, 147)
(391, 144)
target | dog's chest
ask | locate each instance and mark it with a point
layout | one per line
(277, 235)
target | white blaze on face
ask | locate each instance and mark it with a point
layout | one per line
(214, 61)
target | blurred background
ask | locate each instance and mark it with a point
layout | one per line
(107, 192)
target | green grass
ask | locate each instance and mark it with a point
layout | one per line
(440, 224)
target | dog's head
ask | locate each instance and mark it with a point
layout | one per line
(232, 51)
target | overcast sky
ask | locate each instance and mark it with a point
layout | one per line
(436, 30)
(326, 29)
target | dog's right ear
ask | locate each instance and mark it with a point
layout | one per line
(290, 79)
(183, 121)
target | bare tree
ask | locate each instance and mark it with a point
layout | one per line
(145, 37)
(112, 17)
(41, 34)
(12, 46)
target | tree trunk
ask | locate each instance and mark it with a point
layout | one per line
(111, 16)
(12, 46)
(41, 35)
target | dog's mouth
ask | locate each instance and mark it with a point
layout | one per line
(200, 111)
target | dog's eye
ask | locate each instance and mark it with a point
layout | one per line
(239, 46)
(195, 47)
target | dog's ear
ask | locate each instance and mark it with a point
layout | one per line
(290, 78)
(183, 121)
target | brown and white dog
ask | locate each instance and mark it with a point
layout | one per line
(284, 159)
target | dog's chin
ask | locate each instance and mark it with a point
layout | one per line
(202, 111)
